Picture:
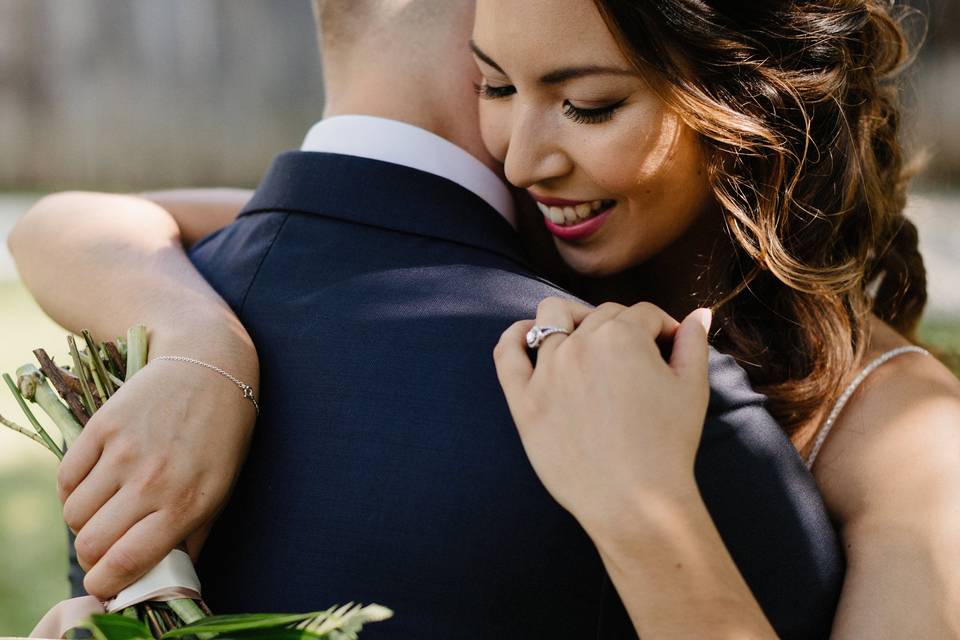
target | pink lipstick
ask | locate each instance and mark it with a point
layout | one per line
(573, 219)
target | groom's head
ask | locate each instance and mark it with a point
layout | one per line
(402, 59)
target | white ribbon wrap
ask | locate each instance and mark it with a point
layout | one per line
(173, 577)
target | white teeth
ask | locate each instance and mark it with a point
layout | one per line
(570, 215)
(555, 215)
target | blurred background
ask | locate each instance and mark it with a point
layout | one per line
(138, 94)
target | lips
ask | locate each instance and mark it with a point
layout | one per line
(568, 212)
(573, 219)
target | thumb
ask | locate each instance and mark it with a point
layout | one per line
(690, 353)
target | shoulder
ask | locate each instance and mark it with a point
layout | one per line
(730, 386)
(895, 449)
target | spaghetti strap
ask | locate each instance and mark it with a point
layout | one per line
(842, 401)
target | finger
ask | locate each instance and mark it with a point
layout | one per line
(97, 488)
(690, 350)
(197, 539)
(558, 312)
(510, 358)
(105, 527)
(78, 462)
(140, 549)
(654, 321)
(604, 313)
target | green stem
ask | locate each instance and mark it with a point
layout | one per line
(30, 434)
(81, 373)
(187, 609)
(35, 388)
(136, 349)
(92, 370)
(117, 382)
(94, 350)
(33, 420)
(152, 621)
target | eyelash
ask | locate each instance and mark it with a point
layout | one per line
(577, 114)
(591, 116)
(486, 92)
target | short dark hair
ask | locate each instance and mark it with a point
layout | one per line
(342, 22)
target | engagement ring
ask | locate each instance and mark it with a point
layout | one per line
(537, 334)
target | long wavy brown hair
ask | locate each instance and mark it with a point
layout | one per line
(797, 105)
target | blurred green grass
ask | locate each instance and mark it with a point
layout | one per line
(33, 554)
(33, 538)
(942, 333)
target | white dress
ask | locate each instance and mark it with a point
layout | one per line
(842, 401)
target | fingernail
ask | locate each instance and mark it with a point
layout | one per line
(705, 318)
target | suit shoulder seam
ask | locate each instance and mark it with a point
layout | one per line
(263, 258)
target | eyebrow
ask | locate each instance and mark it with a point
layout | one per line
(558, 76)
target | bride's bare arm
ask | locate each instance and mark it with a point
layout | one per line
(199, 212)
(151, 470)
(82, 253)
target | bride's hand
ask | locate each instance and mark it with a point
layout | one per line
(154, 466)
(606, 423)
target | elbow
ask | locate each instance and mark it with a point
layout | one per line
(19, 235)
(28, 229)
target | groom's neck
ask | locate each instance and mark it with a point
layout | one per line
(438, 114)
(403, 61)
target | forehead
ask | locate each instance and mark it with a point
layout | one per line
(539, 35)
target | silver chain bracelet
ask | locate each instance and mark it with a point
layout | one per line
(247, 389)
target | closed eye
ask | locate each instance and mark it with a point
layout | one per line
(591, 116)
(489, 92)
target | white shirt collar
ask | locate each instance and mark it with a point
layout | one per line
(404, 144)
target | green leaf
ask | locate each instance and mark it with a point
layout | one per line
(113, 626)
(242, 622)
(272, 634)
(346, 622)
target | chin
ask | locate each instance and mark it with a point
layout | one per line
(589, 263)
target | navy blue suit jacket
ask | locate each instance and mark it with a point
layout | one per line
(385, 466)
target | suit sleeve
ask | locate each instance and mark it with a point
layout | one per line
(766, 505)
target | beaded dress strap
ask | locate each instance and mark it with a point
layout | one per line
(842, 401)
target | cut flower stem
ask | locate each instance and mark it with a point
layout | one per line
(75, 395)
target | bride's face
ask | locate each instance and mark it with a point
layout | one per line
(618, 176)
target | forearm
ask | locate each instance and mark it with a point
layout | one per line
(105, 262)
(198, 212)
(675, 576)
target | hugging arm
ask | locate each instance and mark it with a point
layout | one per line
(613, 440)
(157, 462)
(612, 437)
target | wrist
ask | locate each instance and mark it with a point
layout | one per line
(649, 521)
(213, 336)
(667, 560)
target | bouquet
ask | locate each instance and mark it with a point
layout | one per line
(166, 602)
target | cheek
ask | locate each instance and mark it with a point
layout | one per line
(665, 186)
(666, 171)
(495, 129)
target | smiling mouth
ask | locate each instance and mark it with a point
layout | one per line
(570, 215)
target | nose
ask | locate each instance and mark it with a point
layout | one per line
(534, 152)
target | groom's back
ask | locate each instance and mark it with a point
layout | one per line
(385, 466)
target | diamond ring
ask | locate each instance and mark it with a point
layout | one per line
(537, 334)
